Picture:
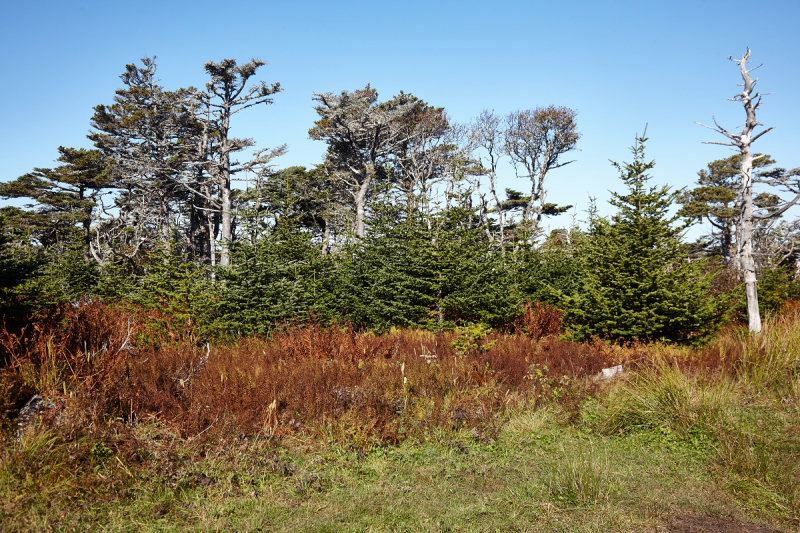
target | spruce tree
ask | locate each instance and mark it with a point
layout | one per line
(17, 263)
(403, 273)
(473, 280)
(639, 282)
(552, 272)
(389, 277)
(273, 280)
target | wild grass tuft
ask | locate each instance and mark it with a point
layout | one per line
(772, 359)
(580, 477)
(665, 398)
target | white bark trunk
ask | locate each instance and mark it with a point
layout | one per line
(747, 263)
(361, 200)
(743, 141)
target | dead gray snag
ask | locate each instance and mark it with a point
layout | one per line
(745, 228)
(486, 134)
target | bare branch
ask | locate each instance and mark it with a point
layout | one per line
(755, 137)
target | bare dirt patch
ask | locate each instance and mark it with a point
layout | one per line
(691, 523)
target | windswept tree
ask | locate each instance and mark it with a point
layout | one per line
(536, 141)
(226, 95)
(68, 198)
(361, 136)
(150, 136)
(306, 199)
(427, 142)
(747, 215)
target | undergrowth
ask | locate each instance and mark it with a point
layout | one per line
(114, 403)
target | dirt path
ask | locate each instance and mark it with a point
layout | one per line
(690, 523)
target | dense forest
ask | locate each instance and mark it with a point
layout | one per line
(402, 224)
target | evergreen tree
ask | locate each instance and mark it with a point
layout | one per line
(226, 95)
(552, 272)
(274, 279)
(67, 198)
(404, 273)
(639, 283)
(150, 137)
(361, 136)
(164, 279)
(388, 278)
(474, 283)
(17, 264)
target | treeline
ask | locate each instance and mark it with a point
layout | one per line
(402, 224)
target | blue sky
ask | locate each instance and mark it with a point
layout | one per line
(620, 64)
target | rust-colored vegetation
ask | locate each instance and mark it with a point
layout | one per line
(118, 388)
(103, 369)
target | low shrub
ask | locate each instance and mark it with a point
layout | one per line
(360, 388)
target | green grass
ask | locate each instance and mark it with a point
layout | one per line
(541, 474)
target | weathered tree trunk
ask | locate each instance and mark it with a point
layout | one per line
(360, 139)
(485, 132)
(361, 197)
(747, 263)
(87, 226)
(227, 226)
(501, 216)
(326, 237)
(361, 200)
(226, 195)
(743, 141)
(225, 96)
(532, 214)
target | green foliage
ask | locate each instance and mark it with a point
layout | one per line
(405, 274)
(298, 195)
(17, 264)
(273, 280)
(777, 289)
(52, 237)
(470, 339)
(553, 272)
(386, 279)
(639, 283)
(776, 286)
(63, 275)
(474, 282)
(66, 197)
(165, 281)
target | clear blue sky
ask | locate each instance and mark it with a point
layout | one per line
(621, 64)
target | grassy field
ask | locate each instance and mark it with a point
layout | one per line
(330, 430)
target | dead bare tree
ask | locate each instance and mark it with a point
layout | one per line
(745, 227)
(486, 134)
(427, 142)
